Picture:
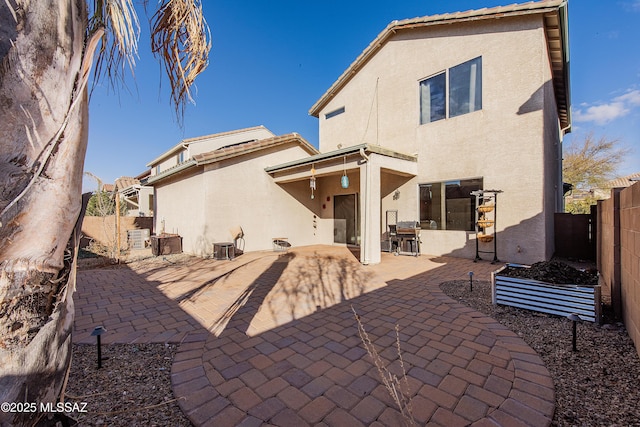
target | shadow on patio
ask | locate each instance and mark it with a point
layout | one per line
(290, 353)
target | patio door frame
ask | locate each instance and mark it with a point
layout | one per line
(354, 216)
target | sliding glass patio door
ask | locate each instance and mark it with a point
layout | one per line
(346, 219)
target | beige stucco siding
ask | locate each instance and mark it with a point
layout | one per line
(240, 192)
(512, 142)
(180, 208)
(203, 206)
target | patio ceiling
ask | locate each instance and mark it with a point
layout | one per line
(349, 158)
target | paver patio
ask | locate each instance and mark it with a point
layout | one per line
(271, 339)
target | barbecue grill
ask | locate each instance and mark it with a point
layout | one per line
(402, 234)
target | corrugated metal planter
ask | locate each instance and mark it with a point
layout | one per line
(544, 297)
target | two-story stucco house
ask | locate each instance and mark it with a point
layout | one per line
(433, 109)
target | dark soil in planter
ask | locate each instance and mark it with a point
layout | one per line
(554, 272)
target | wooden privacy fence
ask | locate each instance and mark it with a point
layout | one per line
(575, 235)
(534, 295)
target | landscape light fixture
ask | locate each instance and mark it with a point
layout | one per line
(99, 330)
(471, 281)
(574, 318)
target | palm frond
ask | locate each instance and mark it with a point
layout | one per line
(119, 45)
(180, 37)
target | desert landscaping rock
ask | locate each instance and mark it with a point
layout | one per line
(133, 387)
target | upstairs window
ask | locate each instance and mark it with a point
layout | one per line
(454, 92)
(334, 113)
(465, 87)
(433, 99)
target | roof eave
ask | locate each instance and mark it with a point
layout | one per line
(154, 179)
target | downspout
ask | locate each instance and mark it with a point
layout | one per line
(561, 195)
(186, 148)
(367, 206)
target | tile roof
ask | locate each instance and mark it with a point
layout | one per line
(125, 182)
(181, 145)
(623, 181)
(251, 146)
(108, 188)
(554, 12)
(217, 135)
(235, 150)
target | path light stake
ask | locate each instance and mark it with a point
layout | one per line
(99, 330)
(574, 318)
(471, 281)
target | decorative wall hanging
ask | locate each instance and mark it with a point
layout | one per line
(344, 181)
(312, 181)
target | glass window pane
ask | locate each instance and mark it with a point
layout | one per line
(432, 99)
(465, 87)
(431, 206)
(460, 203)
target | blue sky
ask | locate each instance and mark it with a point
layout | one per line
(272, 60)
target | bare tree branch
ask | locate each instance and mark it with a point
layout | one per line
(592, 162)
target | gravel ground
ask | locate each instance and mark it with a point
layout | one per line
(599, 385)
(133, 387)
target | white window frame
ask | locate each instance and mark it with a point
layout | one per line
(447, 95)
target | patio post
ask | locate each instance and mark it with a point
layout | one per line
(370, 205)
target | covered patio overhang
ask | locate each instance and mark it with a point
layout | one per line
(369, 169)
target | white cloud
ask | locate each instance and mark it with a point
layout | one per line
(632, 97)
(602, 114)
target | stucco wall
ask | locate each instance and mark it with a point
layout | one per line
(512, 143)
(203, 206)
(253, 201)
(180, 209)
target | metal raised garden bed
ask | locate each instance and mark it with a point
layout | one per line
(544, 297)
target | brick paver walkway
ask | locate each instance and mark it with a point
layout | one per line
(271, 339)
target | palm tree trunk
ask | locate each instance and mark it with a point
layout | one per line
(43, 139)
